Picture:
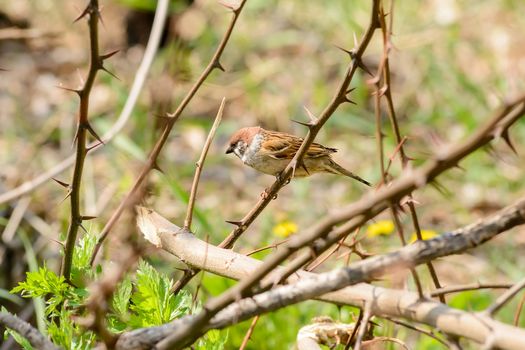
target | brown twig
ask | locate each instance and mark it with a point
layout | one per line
(350, 341)
(518, 311)
(363, 326)
(387, 92)
(140, 77)
(379, 91)
(417, 329)
(27, 331)
(468, 287)
(83, 129)
(172, 118)
(200, 164)
(249, 333)
(504, 298)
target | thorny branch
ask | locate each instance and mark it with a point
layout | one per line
(151, 162)
(161, 13)
(83, 128)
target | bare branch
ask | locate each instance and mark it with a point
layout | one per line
(363, 326)
(200, 165)
(83, 128)
(467, 287)
(505, 298)
(27, 331)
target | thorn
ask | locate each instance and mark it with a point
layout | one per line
(356, 43)
(84, 13)
(349, 52)
(308, 125)
(66, 197)
(83, 228)
(76, 91)
(108, 55)
(361, 65)
(304, 167)
(350, 90)
(218, 65)
(164, 117)
(93, 133)
(86, 217)
(88, 149)
(157, 167)
(109, 72)
(505, 136)
(313, 119)
(61, 183)
(236, 223)
(460, 167)
(347, 100)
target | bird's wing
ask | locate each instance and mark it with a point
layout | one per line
(285, 146)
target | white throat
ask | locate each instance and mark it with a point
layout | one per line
(250, 154)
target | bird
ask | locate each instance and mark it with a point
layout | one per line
(270, 152)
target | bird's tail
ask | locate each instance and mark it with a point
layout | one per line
(335, 168)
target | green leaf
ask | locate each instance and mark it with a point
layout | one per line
(213, 340)
(44, 282)
(121, 297)
(153, 302)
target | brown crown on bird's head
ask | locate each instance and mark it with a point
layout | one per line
(241, 140)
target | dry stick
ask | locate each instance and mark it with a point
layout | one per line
(359, 212)
(314, 126)
(417, 329)
(200, 164)
(389, 302)
(518, 311)
(35, 338)
(354, 331)
(468, 287)
(151, 163)
(504, 298)
(379, 137)
(83, 128)
(249, 333)
(363, 326)
(151, 49)
(403, 157)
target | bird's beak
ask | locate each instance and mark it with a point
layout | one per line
(229, 150)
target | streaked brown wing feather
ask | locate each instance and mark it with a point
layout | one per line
(285, 146)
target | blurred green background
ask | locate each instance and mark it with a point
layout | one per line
(453, 63)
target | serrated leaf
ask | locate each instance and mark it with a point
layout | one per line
(153, 302)
(121, 298)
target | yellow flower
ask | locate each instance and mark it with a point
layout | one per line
(382, 227)
(425, 234)
(285, 228)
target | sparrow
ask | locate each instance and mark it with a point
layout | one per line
(270, 152)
